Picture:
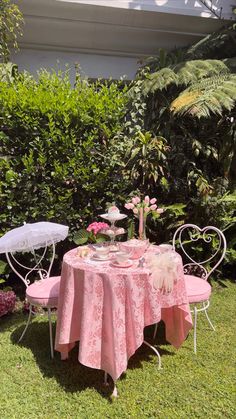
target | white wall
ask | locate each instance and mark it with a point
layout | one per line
(108, 41)
(186, 7)
(91, 65)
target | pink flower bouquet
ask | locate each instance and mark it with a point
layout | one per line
(92, 234)
(141, 209)
(96, 227)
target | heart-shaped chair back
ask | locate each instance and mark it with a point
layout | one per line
(189, 234)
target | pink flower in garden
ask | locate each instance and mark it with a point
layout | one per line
(135, 210)
(153, 201)
(136, 200)
(146, 199)
(96, 227)
(7, 302)
(129, 205)
(147, 209)
(160, 210)
(153, 207)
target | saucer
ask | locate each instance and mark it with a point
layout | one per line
(116, 217)
(122, 265)
(97, 257)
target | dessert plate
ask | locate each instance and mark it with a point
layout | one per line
(116, 217)
(122, 265)
(97, 257)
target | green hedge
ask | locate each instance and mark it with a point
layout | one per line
(55, 147)
(66, 152)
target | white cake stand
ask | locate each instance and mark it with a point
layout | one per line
(112, 219)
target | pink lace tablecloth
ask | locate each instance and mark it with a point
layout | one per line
(106, 309)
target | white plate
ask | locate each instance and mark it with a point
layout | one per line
(113, 218)
(97, 257)
(122, 265)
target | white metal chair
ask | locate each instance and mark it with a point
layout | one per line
(197, 273)
(29, 238)
(43, 292)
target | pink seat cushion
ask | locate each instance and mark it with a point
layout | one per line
(197, 289)
(45, 292)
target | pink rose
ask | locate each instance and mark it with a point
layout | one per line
(153, 201)
(153, 207)
(135, 210)
(146, 199)
(160, 210)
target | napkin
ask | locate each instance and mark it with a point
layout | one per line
(83, 251)
(164, 270)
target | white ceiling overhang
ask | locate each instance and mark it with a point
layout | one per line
(73, 25)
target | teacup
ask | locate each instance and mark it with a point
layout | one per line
(122, 257)
(102, 252)
(135, 248)
(165, 247)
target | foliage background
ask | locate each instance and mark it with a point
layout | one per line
(66, 153)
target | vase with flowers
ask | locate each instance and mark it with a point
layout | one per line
(141, 209)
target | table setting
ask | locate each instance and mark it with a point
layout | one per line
(111, 291)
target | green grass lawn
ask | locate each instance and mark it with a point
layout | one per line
(203, 386)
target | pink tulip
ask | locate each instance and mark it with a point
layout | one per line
(153, 201)
(146, 209)
(127, 206)
(153, 207)
(136, 200)
(160, 210)
(146, 199)
(135, 210)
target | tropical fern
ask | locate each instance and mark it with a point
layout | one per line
(214, 94)
(220, 44)
(184, 73)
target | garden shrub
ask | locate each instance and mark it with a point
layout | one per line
(56, 160)
(7, 302)
(55, 149)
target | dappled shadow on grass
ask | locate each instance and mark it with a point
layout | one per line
(9, 321)
(70, 374)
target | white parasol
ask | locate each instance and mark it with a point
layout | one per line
(32, 236)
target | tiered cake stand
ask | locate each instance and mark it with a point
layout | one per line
(113, 231)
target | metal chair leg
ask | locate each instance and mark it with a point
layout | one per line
(27, 324)
(195, 330)
(50, 332)
(208, 318)
(155, 330)
(156, 352)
